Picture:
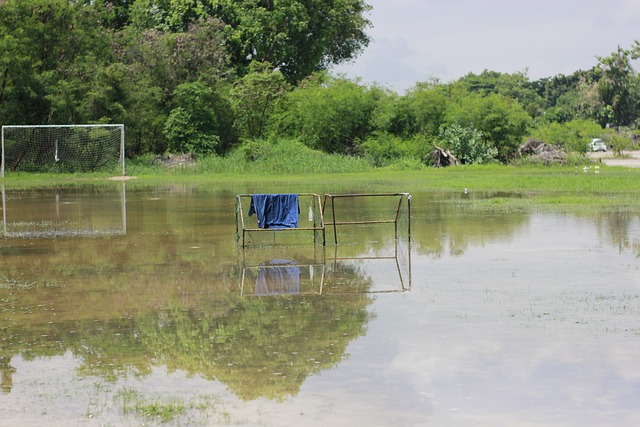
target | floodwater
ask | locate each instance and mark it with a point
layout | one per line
(128, 306)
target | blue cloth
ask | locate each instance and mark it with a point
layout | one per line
(278, 276)
(275, 210)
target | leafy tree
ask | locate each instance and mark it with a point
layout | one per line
(515, 86)
(194, 125)
(617, 141)
(331, 114)
(467, 144)
(156, 63)
(501, 120)
(255, 97)
(421, 111)
(297, 36)
(618, 88)
(45, 47)
(382, 148)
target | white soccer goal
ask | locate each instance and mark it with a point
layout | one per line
(63, 148)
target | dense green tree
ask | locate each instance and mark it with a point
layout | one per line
(255, 97)
(515, 86)
(48, 48)
(193, 125)
(467, 145)
(156, 63)
(618, 88)
(501, 120)
(422, 110)
(297, 36)
(574, 135)
(330, 114)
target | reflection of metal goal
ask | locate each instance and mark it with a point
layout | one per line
(63, 212)
(310, 221)
(372, 232)
(282, 270)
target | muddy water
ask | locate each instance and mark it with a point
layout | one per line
(130, 306)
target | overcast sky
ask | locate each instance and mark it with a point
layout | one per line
(416, 40)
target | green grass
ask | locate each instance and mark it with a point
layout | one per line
(289, 164)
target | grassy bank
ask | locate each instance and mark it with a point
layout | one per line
(287, 166)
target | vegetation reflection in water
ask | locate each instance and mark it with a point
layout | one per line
(167, 293)
(127, 303)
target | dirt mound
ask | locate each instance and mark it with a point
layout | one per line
(175, 160)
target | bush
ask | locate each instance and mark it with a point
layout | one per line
(467, 145)
(572, 136)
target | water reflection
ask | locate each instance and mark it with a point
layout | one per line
(175, 294)
(64, 212)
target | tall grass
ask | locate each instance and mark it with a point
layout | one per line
(260, 157)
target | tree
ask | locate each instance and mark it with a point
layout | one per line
(330, 114)
(297, 37)
(515, 86)
(422, 110)
(193, 125)
(501, 120)
(255, 97)
(618, 87)
(571, 136)
(156, 63)
(467, 145)
(47, 49)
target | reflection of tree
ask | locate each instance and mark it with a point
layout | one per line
(125, 304)
(262, 347)
(618, 227)
(6, 374)
(453, 222)
(258, 347)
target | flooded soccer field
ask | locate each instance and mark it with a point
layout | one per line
(128, 305)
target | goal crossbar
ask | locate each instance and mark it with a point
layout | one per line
(55, 146)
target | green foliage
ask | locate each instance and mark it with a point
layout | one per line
(467, 145)
(572, 136)
(580, 102)
(422, 111)
(501, 120)
(618, 88)
(252, 70)
(516, 86)
(255, 97)
(193, 126)
(47, 48)
(618, 141)
(330, 114)
(288, 156)
(297, 36)
(382, 148)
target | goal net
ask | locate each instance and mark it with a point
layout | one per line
(63, 148)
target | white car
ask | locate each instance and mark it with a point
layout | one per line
(597, 144)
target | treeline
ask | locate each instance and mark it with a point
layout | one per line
(209, 76)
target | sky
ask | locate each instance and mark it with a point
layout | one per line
(420, 40)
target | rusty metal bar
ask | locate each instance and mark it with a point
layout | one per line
(369, 221)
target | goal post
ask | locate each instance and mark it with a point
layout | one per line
(63, 148)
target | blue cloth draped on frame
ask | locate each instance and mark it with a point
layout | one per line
(275, 210)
